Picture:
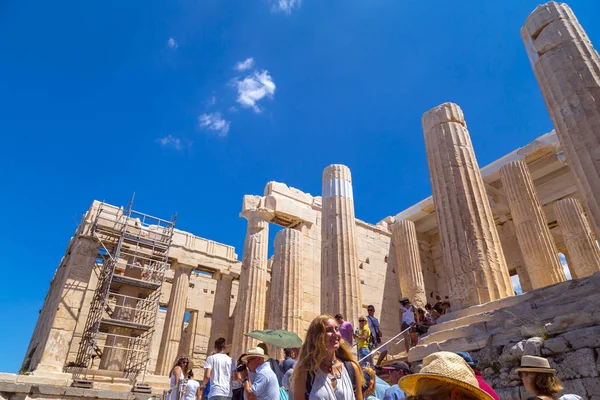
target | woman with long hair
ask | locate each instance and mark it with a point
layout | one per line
(178, 373)
(444, 376)
(321, 371)
(540, 380)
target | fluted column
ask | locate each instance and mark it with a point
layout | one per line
(187, 344)
(535, 240)
(220, 314)
(340, 284)
(524, 279)
(253, 280)
(568, 71)
(171, 336)
(584, 256)
(410, 271)
(471, 249)
(286, 282)
(114, 355)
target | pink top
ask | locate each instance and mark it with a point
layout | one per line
(346, 331)
(483, 385)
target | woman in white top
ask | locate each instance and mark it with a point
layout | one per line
(177, 374)
(410, 320)
(191, 388)
(321, 368)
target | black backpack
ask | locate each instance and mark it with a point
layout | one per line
(310, 378)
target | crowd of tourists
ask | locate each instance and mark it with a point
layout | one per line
(325, 368)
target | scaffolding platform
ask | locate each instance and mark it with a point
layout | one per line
(131, 265)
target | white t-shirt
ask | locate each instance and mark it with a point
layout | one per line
(220, 374)
(409, 315)
(191, 389)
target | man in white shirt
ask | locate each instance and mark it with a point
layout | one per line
(219, 369)
(265, 385)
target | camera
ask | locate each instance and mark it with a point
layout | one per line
(241, 368)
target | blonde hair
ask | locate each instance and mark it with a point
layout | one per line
(546, 384)
(314, 349)
(371, 388)
(433, 389)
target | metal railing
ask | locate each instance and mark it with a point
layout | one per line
(384, 344)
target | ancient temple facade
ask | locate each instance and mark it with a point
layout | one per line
(482, 225)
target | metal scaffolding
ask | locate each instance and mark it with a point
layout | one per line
(130, 269)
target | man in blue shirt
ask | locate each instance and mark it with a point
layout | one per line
(396, 370)
(265, 385)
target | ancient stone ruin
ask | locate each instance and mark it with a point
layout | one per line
(133, 292)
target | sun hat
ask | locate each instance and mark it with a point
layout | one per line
(255, 352)
(467, 357)
(535, 364)
(446, 367)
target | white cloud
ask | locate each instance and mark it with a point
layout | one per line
(170, 141)
(214, 122)
(285, 6)
(254, 88)
(172, 43)
(244, 65)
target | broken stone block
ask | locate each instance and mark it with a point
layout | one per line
(577, 364)
(586, 337)
(556, 345)
(533, 346)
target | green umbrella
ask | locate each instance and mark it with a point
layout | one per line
(279, 338)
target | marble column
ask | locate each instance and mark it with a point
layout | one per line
(171, 336)
(340, 280)
(253, 280)
(535, 240)
(409, 270)
(286, 282)
(524, 280)
(584, 256)
(220, 313)
(114, 355)
(188, 341)
(471, 249)
(567, 68)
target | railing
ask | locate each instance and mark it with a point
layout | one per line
(178, 391)
(384, 344)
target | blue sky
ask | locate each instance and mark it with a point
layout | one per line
(192, 104)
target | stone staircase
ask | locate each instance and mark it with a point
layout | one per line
(543, 312)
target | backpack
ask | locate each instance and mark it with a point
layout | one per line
(310, 377)
(375, 338)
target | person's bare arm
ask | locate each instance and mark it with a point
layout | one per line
(199, 394)
(205, 380)
(358, 375)
(249, 393)
(299, 385)
(177, 372)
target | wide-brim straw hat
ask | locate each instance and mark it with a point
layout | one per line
(255, 352)
(535, 364)
(446, 367)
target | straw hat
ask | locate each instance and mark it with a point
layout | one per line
(255, 352)
(446, 367)
(535, 364)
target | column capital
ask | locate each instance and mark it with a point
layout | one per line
(258, 214)
(224, 276)
(175, 265)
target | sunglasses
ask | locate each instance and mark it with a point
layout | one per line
(362, 320)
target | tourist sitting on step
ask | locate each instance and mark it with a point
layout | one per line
(424, 325)
(540, 379)
(482, 383)
(410, 320)
(325, 368)
(444, 376)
